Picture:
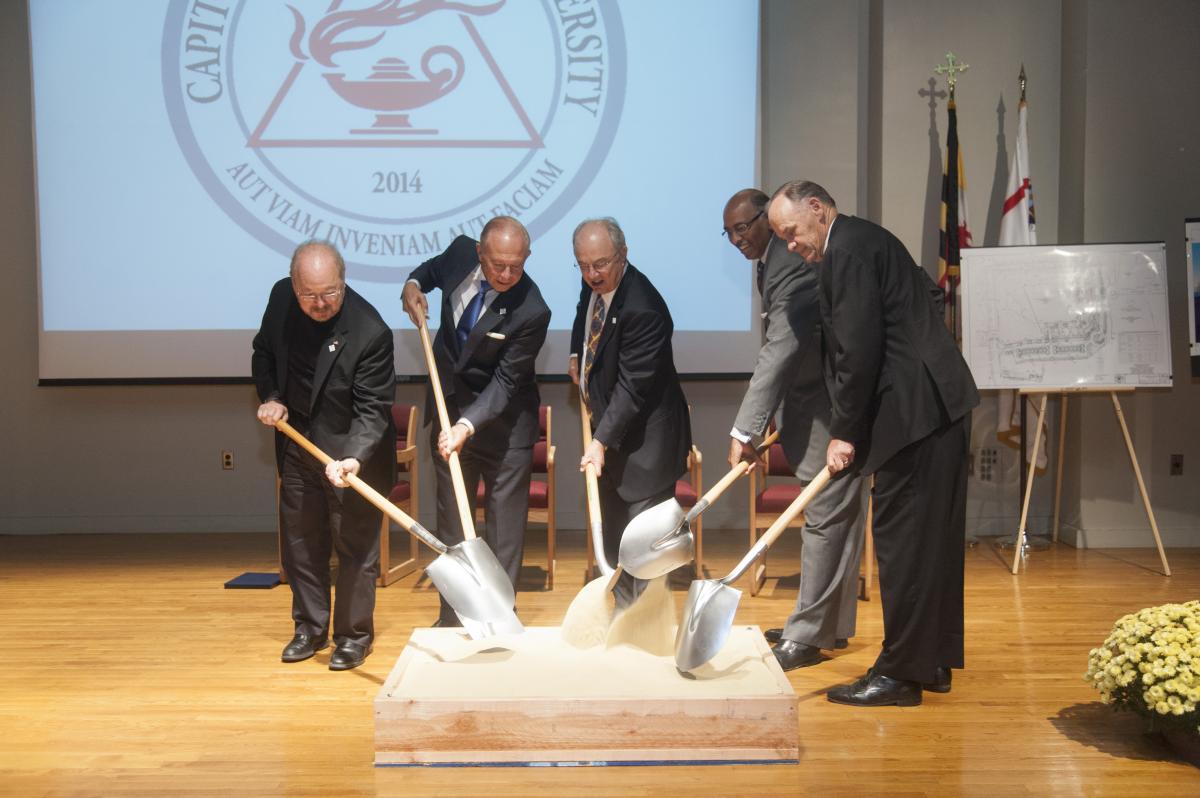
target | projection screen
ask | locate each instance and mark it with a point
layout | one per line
(184, 148)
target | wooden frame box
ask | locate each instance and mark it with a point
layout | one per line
(531, 698)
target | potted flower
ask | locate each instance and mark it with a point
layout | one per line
(1150, 664)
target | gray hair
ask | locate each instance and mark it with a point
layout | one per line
(615, 234)
(800, 190)
(497, 224)
(324, 244)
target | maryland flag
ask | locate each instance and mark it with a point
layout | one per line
(955, 233)
(1017, 228)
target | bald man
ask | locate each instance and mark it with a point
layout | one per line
(788, 378)
(902, 399)
(493, 323)
(323, 362)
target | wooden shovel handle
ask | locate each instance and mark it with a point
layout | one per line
(456, 476)
(593, 491)
(370, 494)
(796, 507)
(733, 476)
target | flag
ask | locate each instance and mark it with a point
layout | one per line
(955, 233)
(1017, 228)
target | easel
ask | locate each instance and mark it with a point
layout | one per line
(1062, 427)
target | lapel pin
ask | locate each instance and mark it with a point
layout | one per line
(333, 346)
(502, 311)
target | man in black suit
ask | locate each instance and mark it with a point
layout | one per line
(621, 355)
(788, 373)
(902, 398)
(323, 361)
(493, 323)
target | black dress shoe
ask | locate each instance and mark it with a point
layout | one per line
(348, 655)
(792, 655)
(773, 636)
(876, 690)
(940, 683)
(302, 647)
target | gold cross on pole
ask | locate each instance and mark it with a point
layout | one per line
(951, 69)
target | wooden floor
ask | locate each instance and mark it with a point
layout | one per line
(130, 671)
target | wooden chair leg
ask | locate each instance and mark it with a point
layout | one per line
(869, 547)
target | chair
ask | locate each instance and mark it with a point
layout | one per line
(541, 490)
(687, 493)
(766, 505)
(403, 494)
(768, 500)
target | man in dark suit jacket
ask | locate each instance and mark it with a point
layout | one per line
(323, 361)
(493, 323)
(621, 354)
(788, 372)
(902, 397)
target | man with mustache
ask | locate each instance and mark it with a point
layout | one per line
(788, 373)
(621, 357)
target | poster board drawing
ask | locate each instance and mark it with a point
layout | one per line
(1053, 318)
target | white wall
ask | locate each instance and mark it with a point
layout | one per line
(1111, 137)
(1141, 179)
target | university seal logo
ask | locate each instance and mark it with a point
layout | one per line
(391, 127)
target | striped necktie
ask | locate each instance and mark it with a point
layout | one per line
(594, 329)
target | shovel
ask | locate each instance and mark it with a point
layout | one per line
(712, 603)
(509, 622)
(659, 539)
(593, 609)
(468, 574)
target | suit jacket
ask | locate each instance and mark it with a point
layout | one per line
(789, 365)
(638, 407)
(354, 381)
(491, 380)
(895, 372)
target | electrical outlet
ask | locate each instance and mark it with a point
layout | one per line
(989, 464)
(1176, 465)
(227, 459)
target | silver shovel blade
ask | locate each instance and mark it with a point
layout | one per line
(657, 541)
(471, 580)
(707, 619)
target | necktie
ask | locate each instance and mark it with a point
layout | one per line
(759, 271)
(594, 329)
(471, 313)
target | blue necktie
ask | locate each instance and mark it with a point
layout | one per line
(471, 313)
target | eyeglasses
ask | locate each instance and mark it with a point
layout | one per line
(328, 296)
(601, 266)
(741, 227)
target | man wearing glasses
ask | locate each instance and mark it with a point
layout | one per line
(788, 372)
(493, 324)
(323, 361)
(621, 357)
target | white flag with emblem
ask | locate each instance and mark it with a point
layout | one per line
(1017, 228)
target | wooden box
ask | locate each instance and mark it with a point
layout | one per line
(531, 698)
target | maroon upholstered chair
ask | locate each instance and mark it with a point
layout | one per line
(770, 495)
